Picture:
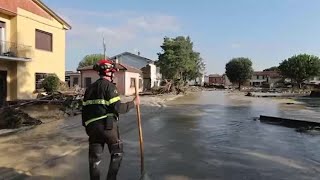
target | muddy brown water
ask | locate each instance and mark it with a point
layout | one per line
(213, 136)
(206, 136)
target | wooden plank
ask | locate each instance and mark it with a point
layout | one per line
(288, 122)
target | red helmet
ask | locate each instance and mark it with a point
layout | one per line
(104, 66)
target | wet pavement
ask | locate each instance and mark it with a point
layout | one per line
(205, 136)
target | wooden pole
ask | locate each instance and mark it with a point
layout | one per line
(140, 129)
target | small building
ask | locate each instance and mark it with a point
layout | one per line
(269, 78)
(133, 60)
(72, 78)
(216, 79)
(151, 76)
(124, 79)
(32, 46)
(151, 73)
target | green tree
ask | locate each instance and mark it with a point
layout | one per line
(274, 68)
(51, 83)
(178, 60)
(90, 59)
(300, 68)
(239, 70)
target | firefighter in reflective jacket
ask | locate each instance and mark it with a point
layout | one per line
(101, 107)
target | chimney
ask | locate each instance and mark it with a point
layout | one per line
(117, 60)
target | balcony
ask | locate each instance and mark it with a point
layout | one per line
(15, 52)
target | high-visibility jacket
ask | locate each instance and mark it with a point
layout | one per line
(102, 100)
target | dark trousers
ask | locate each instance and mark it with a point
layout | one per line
(99, 135)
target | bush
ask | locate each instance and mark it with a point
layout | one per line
(51, 83)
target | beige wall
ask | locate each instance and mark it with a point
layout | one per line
(42, 61)
(89, 73)
(131, 90)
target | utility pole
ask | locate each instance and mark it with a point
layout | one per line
(104, 48)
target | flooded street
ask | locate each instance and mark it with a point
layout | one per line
(215, 137)
(202, 136)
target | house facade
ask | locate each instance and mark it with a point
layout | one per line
(32, 45)
(260, 78)
(151, 76)
(72, 78)
(216, 79)
(151, 73)
(314, 80)
(124, 79)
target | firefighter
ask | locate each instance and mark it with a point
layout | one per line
(100, 114)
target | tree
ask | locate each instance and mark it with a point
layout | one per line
(274, 68)
(178, 60)
(51, 83)
(300, 68)
(239, 70)
(90, 59)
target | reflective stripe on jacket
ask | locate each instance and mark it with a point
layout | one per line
(99, 101)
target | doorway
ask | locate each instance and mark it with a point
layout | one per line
(3, 87)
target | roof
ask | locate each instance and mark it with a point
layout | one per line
(131, 54)
(273, 74)
(53, 14)
(215, 75)
(69, 73)
(131, 69)
(121, 67)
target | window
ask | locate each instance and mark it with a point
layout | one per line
(87, 81)
(39, 78)
(43, 40)
(132, 81)
(140, 83)
(258, 77)
(75, 81)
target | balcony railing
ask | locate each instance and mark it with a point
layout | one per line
(14, 50)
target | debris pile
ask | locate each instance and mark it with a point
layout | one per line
(11, 118)
(174, 87)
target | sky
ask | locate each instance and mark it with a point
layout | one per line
(266, 31)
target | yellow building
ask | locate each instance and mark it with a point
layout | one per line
(32, 45)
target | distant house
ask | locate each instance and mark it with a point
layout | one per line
(133, 60)
(216, 79)
(72, 78)
(198, 81)
(124, 79)
(265, 77)
(226, 80)
(151, 73)
(151, 76)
